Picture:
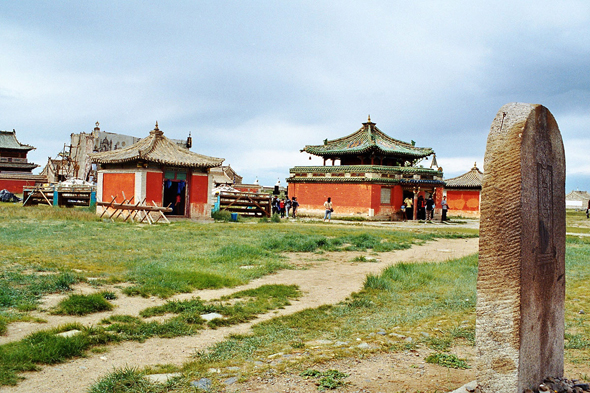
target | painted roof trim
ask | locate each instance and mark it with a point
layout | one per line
(368, 138)
(156, 148)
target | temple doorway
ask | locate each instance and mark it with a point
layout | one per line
(175, 192)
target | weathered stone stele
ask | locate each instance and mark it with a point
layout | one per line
(521, 277)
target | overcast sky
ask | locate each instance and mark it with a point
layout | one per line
(255, 81)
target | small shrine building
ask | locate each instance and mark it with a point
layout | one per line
(15, 169)
(157, 170)
(371, 174)
(464, 193)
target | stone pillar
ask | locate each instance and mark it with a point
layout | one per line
(521, 279)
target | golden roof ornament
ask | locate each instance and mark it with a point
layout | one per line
(156, 130)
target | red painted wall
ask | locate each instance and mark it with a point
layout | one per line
(397, 197)
(376, 200)
(467, 201)
(15, 186)
(116, 184)
(198, 197)
(347, 198)
(154, 184)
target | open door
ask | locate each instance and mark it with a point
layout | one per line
(175, 193)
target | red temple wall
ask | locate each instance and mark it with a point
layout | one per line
(463, 201)
(199, 195)
(153, 187)
(347, 198)
(15, 185)
(116, 184)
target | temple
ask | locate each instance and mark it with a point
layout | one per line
(463, 193)
(370, 175)
(15, 169)
(158, 171)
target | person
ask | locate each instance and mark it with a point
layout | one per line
(445, 207)
(588, 210)
(287, 206)
(295, 205)
(421, 208)
(282, 208)
(273, 205)
(329, 209)
(409, 211)
(403, 210)
(430, 208)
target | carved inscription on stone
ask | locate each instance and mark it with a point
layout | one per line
(546, 251)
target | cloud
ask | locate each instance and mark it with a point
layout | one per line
(255, 82)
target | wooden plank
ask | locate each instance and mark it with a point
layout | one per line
(107, 206)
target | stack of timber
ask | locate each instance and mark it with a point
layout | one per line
(246, 204)
(59, 195)
(139, 212)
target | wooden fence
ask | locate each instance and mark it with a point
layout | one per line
(245, 203)
(59, 196)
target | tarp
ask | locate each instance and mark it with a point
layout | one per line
(7, 196)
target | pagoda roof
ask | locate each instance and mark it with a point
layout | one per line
(158, 149)
(471, 179)
(8, 141)
(367, 139)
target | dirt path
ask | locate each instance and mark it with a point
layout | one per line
(324, 279)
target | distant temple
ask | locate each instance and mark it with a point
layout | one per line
(15, 169)
(370, 175)
(464, 193)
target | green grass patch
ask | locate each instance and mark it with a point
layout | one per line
(331, 379)
(131, 380)
(21, 290)
(83, 304)
(448, 360)
(250, 303)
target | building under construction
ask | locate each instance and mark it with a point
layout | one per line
(73, 161)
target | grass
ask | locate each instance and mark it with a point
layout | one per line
(331, 379)
(445, 293)
(448, 360)
(83, 304)
(131, 380)
(431, 303)
(22, 290)
(254, 302)
(163, 260)
(46, 347)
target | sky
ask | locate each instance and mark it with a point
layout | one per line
(256, 81)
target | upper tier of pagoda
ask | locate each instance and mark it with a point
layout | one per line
(369, 146)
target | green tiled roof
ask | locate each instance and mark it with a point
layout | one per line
(365, 180)
(365, 168)
(367, 139)
(8, 141)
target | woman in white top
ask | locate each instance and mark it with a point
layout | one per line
(329, 210)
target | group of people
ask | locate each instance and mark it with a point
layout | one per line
(284, 206)
(425, 208)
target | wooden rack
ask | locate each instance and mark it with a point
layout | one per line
(245, 203)
(140, 212)
(59, 195)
